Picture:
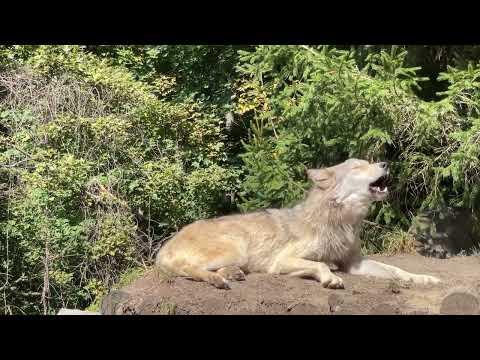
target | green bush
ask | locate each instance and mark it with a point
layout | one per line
(100, 170)
(315, 107)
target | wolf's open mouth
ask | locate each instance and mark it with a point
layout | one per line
(379, 185)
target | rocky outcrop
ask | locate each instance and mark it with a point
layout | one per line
(264, 294)
(445, 232)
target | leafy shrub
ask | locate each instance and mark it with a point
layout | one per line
(100, 171)
(318, 107)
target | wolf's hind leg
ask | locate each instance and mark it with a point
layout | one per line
(203, 263)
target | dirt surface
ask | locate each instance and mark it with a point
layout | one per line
(459, 293)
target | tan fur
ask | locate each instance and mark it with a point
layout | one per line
(298, 241)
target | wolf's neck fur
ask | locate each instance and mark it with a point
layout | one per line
(322, 208)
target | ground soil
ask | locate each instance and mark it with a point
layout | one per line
(459, 293)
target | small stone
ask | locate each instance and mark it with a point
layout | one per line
(304, 309)
(460, 303)
(394, 287)
(76, 312)
(334, 302)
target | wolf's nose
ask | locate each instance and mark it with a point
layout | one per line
(383, 165)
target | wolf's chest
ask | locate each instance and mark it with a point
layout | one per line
(331, 244)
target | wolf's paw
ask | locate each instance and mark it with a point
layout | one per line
(331, 281)
(426, 280)
(219, 282)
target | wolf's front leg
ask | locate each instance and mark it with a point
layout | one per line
(363, 266)
(293, 266)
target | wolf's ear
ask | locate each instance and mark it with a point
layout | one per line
(322, 178)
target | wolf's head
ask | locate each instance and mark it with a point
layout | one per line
(354, 180)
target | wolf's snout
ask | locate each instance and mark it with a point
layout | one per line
(383, 165)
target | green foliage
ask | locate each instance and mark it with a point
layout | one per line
(100, 168)
(322, 109)
(204, 72)
(321, 106)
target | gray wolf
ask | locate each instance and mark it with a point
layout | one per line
(299, 241)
